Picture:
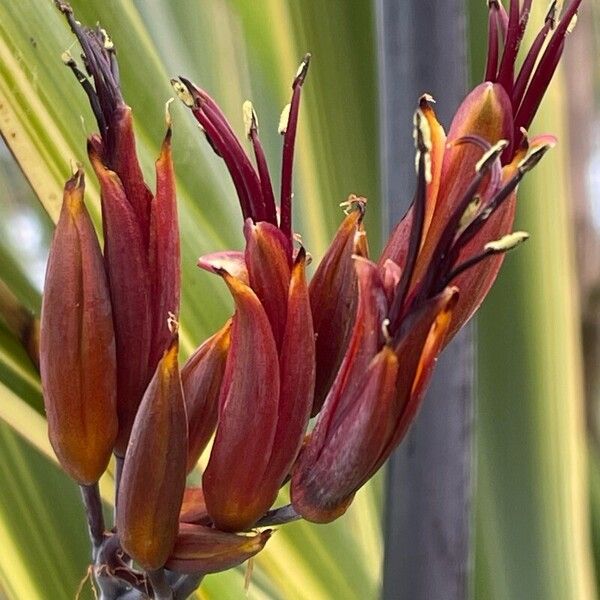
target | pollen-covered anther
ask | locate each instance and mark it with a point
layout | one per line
(250, 118)
(572, 24)
(302, 69)
(551, 14)
(385, 330)
(68, 59)
(470, 213)
(106, 40)
(533, 157)
(172, 323)
(491, 155)
(422, 137)
(284, 119)
(507, 242)
(353, 203)
(183, 93)
(168, 118)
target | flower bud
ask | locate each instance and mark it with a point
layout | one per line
(200, 549)
(77, 345)
(154, 471)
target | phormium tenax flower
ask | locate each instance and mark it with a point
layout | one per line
(437, 267)
(141, 236)
(356, 347)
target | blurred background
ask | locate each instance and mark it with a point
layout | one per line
(535, 526)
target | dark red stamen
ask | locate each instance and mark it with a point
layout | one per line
(491, 68)
(545, 70)
(289, 140)
(460, 269)
(223, 138)
(263, 175)
(224, 151)
(511, 48)
(528, 163)
(416, 232)
(531, 58)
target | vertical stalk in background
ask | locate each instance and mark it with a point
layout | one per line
(427, 529)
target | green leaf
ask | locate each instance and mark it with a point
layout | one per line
(532, 521)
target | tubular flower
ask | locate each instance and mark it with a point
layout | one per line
(77, 353)
(141, 240)
(200, 549)
(153, 480)
(437, 266)
(261, 419)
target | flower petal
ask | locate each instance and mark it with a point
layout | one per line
(366, 341)
(269, 271)
(333, 302)
(424, 335)
(231, 261)
(322, 490)
(165, 267)
(201, 378)
(193, 507)
(297, 375)
(247, 417)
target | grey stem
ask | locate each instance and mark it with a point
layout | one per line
(95, 518)
(429, 478)
(185, 585)
(118, 472)
(160, 586)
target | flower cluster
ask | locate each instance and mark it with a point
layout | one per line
(354, 348)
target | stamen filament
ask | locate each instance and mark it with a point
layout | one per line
(511, 48)
(531, 59)
(289, 140)
(224, 151)
(416, 233)
(501, 246)
(219, 131)
(545, 70)
(90, 92)
(491, 68)
(265, 178)
(248, 173)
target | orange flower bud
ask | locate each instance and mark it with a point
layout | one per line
(77, 344)
(153, 478)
